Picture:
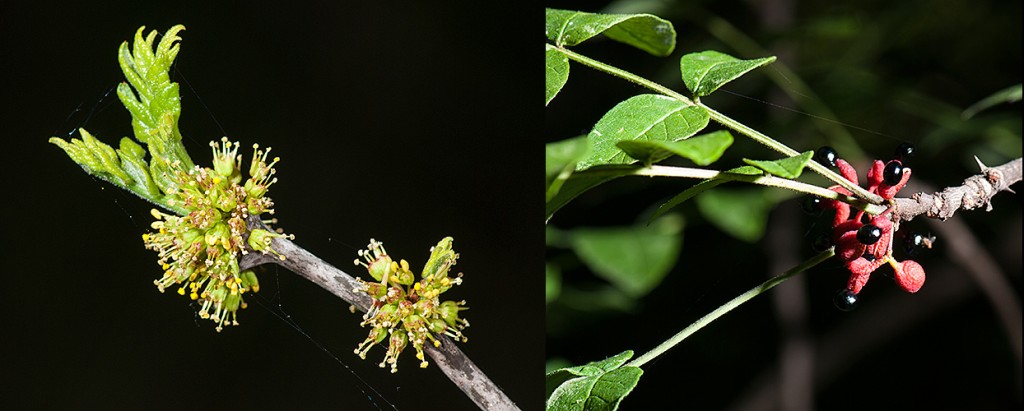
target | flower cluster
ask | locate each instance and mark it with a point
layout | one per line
(199, 251)
(406, 311)
(864, 242)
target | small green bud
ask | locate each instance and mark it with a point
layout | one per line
(441, 259)
(249, 280)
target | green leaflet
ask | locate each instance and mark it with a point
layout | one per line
(635, 259)
(741, 213)
(702, 150)
(560, 160)
(644, 117)
(599, 385)
(789, 167)
(706, 71)
(643, 31)
(557, 72)
(153, 101)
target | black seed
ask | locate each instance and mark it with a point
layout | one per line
(826, 156)
(869, 234)
(845, 300)
(905, 151)
(821, 243)
(893, 173)
(812, 205)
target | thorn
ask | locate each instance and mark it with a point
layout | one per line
(983, 167)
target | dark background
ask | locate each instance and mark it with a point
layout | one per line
(402, 123)
(903, 69)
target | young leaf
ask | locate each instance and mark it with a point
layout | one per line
(560, 160)
(702, 150)
(155, 104)
(741, 213)
(635, 259)
(643, 31)
(789, 167)
(155, 107)
(580, 182)
(557, 72)
(706, 71)
(644, 117)
(702, 187)
(600, 385)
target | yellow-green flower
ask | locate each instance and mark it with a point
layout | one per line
(409, 311)
(199, 251)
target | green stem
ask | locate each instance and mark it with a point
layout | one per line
(764, 180)
(617, 72)
(736, 302)
(784, 149)
(723, 119)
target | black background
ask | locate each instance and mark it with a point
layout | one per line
(402, 123)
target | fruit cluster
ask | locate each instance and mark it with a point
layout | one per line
(864, 242)
(410, 311)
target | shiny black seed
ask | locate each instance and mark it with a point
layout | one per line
(905, 151)
(826, 156)
(812, 205)
(821, 243)
(869, 234)
(845, 300)
(893, 173)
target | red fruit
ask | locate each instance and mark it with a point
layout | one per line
(847, 246)
(847, 171)
(860, 271)
(875, 175)
(842, 209)
(857, 281)
(909, 275)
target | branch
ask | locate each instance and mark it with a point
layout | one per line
(448, 357)
(975, 192)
